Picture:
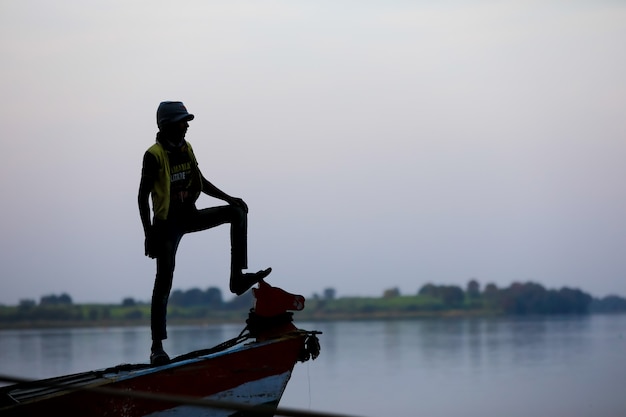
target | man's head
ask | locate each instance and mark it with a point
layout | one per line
(171, 112)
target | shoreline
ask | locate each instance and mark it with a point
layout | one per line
(298, 318)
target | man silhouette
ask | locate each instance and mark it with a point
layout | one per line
(170, 175)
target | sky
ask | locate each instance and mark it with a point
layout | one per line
(378, 144)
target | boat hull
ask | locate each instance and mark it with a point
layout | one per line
(255, 374)
(264, 392)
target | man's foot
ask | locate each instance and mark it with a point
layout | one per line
(158, 357)
(240, 282)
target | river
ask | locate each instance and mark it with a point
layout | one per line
(563, 366)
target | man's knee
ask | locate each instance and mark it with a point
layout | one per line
(238, 215)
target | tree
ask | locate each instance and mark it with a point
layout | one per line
(521, 299)
(213, 297)
(573, 301)
(391, 293)
(52, 299)
(27, 303)
(243, 301)
(128, 302)
(452, 295)
(47, 300)
(491, 290)
(193, 297)
(490, 295)
(329, 294)
(609, 304)
(533, 298)
(176, 298)
(429, 290)
(473, 289)
(65, 299)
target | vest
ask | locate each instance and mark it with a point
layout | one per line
(161, 188)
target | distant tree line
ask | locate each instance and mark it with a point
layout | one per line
(48, 300)
(522, 299)
(608, 304)
(211, 298)
(190, 304)
(517, 299)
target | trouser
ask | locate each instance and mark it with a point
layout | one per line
(171, 231)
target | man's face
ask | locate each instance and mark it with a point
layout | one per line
(176, 132)
(181, 127)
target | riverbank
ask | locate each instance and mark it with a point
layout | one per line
(431, 301)
(299, 317)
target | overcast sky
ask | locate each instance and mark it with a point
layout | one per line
(378, 144)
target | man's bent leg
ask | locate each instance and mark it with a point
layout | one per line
(215, 216)
(240, 282)
(238, 219)
(239, 239)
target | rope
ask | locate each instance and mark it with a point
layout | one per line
(217, 348)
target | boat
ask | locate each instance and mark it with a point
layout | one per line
(243, 376)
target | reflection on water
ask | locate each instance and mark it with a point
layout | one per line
(571, 367)
(52, 352)
(471, 367)
(184, 339)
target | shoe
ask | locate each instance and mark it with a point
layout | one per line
(240, 283)
(159, 357)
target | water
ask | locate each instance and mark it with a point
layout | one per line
(574, 367)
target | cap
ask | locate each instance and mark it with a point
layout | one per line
(172, 112)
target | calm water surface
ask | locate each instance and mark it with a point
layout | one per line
(573, 367)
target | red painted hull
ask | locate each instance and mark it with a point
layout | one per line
(254, 374)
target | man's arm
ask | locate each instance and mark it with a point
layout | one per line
(148, 176)
(211, 190)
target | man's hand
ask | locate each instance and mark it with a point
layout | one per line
(152, 243)
(234, 201)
